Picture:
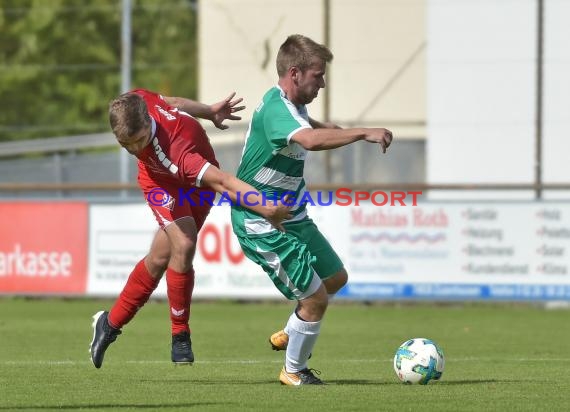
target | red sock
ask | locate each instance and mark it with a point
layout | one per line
(179, 287)
(135, 294)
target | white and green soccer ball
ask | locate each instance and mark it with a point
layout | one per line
(419, 360)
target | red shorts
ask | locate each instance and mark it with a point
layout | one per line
(172, 203)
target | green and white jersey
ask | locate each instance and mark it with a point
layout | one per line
(271, 162)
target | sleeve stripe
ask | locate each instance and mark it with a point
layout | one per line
(201, 174)
(290, 135)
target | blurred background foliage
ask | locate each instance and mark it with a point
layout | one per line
(60, 61)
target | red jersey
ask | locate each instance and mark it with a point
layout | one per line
(179, 152)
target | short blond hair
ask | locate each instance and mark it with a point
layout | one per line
(300, 51)
(127, 115)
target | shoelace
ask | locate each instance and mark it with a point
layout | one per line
(310, 373)
(182, 342)
(183, 345)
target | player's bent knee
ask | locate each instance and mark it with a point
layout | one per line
(156, 266)
(336, 282)
(313, 308)
(184, 248)
(342, 278)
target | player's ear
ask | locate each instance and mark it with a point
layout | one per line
(294, 73)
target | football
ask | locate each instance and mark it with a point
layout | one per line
(419, 360)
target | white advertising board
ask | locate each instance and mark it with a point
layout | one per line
(512, 251)
(120, 235)
(444, 251)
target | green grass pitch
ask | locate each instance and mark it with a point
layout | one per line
(498, 358)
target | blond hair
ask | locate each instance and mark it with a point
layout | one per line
(127, 115)
(300, 51)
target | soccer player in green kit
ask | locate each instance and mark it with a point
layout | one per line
(300, 261)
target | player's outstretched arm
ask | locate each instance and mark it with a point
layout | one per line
(326, 139)
(247, 196)
(217, 113)
(315, 124)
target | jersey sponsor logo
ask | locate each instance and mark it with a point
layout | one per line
(294, 151)
(166, 162)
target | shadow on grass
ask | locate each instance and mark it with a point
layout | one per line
(182, 406)
(479, 381)
(274, 382)
(359, 382)
(384, 383)
(213, 381)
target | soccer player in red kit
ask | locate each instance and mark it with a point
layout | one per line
(178, 174)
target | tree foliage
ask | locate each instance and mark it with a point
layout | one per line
(60, 61)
